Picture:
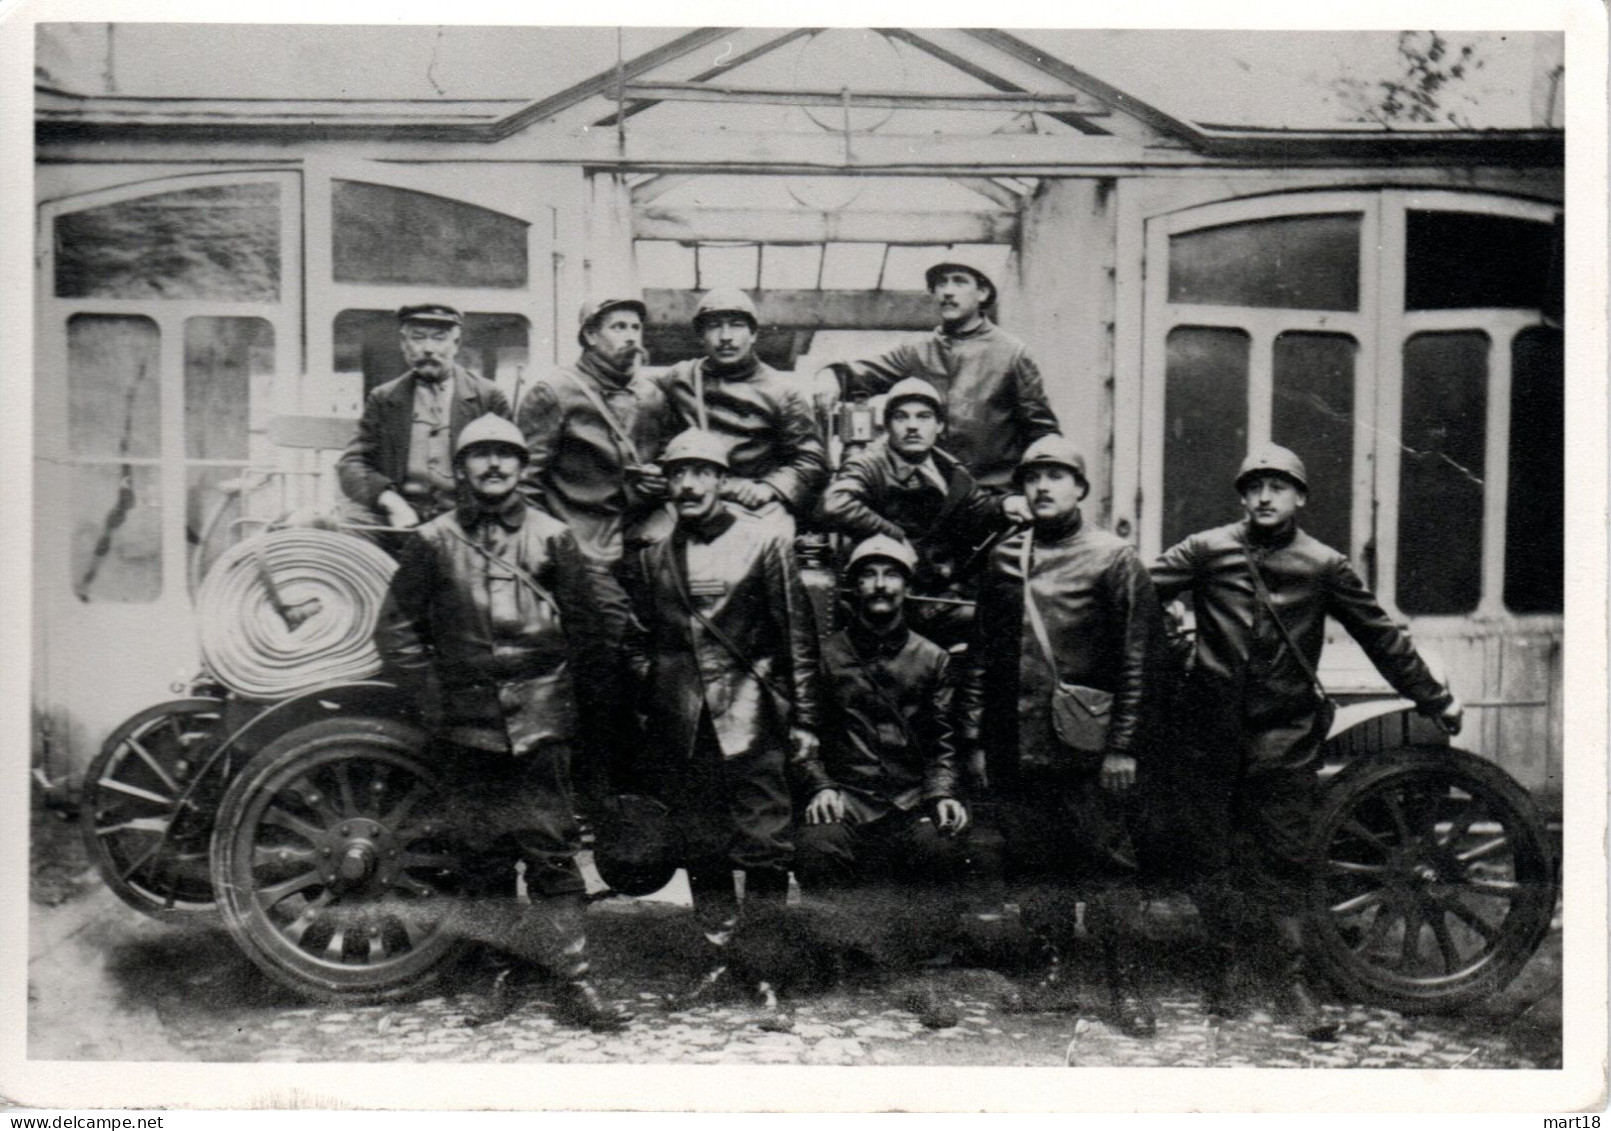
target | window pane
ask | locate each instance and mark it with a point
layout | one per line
(392, 235)
(495, 346)
(665, 263)
(906, 266)
(1441, 481)
(790, 267)
(228, 363)
(1313, 414)
(219, 242)
(113, 386)
(729, 266)
(1457, 260)
(1205, 427)
(852, 266)
(117, 533)
(1297, 262)
(1535, 530)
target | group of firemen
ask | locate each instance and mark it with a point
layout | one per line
(600, 586)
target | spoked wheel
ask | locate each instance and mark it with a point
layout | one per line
(335, 872)
(147, 820)
(1434, 884)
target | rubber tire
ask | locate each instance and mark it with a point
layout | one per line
(147, 900)
(1524, 928)
(356, 985)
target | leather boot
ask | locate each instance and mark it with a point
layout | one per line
(716, 910)
(1129, 1002)
(1297, 1004)
(562, 939)
(769, 886)
(1050, 989)
(1220, 998)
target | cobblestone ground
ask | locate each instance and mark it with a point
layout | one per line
(119, 986)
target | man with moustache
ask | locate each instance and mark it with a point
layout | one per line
(725, 652)
(905, 487)
(398, 469)
(490, 624)
(1065, 609)
(994, 399)
(1247, 766)
(776, 460)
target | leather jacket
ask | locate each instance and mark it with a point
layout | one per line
(995, 401)
(376, 459)
(510, 663)
(1241, 659)
(767, 418)
(1106, 629)
(746, 584)
(878, 492)
(895, 761)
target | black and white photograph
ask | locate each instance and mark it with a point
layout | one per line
(727, 549)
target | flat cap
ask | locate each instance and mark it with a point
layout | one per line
(438, 312)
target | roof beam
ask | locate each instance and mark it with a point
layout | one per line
(726, 67)
(657, 186)
(881, 99)
(798, 225)
(816, 310)
(990, 190)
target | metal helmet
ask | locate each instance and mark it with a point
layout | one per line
(931, 278)
(1053, 450)
(638, 846)
(490, 429)
(437, 313)
(726, 300)
(695, 444)
(882, 547)
(1273, 459)
(913, 389)
(595, 309)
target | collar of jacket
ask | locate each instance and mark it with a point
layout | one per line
(902, 468)
(709, 528)
(870, 643)
(602, 371)
(983, 330)
(743, 371)
(1061, 530)
(1273, 540)
(511, 512)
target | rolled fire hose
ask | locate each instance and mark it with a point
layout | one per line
(290, 610)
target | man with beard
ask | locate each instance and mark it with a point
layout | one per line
(726, 656)
(776, 460)
(1056, 689)
(1246, 773)
(398, 469)
(490, 625)
(994, 399)
(905, 487)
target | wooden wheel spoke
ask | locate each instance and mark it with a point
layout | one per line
(135, 791)
(1446, 947)
(154, 825)
(286, 819)
(144, 858)
(1486, 848)
(413, 885)
(282, 856)
(298, 926)
(349, 803)
(1460, 827)
(448, 860)
(1375, 933)
(274, 893)
(1509, 889)
(1471, 919)
(315, 799)
(1354, 868)
(1410, 950)
(155, 767)
(1359, 902)
(1354, 826)
(399, 812)
(1401, 824)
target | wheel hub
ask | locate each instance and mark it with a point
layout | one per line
(356, 853)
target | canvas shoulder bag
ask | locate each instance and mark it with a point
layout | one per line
(1080, 714)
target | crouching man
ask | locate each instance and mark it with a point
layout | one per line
(492, 607)
(1246, 771)
(1056, 692)
(725, 650)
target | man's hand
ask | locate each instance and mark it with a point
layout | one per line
(826, 808)
(748, 493)
(649, 480)
(1016, 508)
(950, 816)
(1452, 717)
(804, 742)
(399, 514)
(1118, 772)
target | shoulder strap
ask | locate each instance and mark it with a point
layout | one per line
(611, 421)
(520, 574)
(1033, 608)
(1263, 595)
(874, 678)
(676, 568)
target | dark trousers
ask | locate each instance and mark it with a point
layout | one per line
(505, 808)
(896, 845)
(732, 812)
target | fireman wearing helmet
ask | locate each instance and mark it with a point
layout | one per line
(994, 398)
(776, 460)
(1262, 590)
(490, 624)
